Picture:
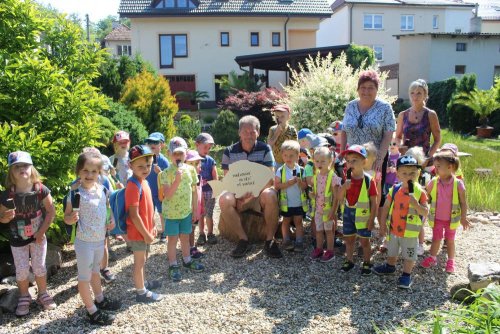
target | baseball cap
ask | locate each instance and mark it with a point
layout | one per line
(121, 136)
(356, 149)
(193, 155)
(281, 107)
(316, 141)
(407, 160)
(139, 151)
(450, 147)
(329, 138)
(204, 138)
(335, 126)
(19, 157)
(156, 136)
(177, 144)
(303, 133)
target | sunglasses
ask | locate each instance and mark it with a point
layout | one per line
(360, 121)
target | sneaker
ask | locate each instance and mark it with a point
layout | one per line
(23, 306)
(299, 247)
(174, 272)
(46, 301)
(316, 254)
(327, 256)
(450, 266)
(288, 245)
(366, 269)
(428, 262)
(404, 282)
(384, 269)
(152, 285)
(195, 253)
(149, 297)
(241, 249)
(101, 318)
(348, 265)
(108, 304)
(420, 250)
(107, 275)
(194, 266)
(202, 239)
(211, 239)
(272, 250)
(338, 243)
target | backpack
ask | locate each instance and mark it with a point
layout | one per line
(117, 203)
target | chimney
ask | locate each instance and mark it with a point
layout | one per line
(476, 21)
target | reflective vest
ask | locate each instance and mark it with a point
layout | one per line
(283, 198)
(413, 220)
(362, 205)
(328, 195)
(455, 204)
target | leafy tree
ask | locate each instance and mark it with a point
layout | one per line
(359, 56)
(187, 127)
(225, 128)
(235, 82)
(461, 118)
(150, 97)
(482, 102)
(320, 90)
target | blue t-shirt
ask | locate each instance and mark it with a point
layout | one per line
(293, 192)
(207, 164)
(153, 180)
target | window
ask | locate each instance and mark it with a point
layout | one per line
(124, 50)
(435, 22)
(459, 69)
(407, 22)
(372, 21)
(172, 46)
(461, 46)
(175, 4)
(224, 39)
(254, 39)
(276, 39)
(379, 52)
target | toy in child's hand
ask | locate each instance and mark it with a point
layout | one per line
(76, 204)
(178, 163)
(115, 163)
(410, 187)
(9, 204)
(155, 159)
(349, 173)
(294, 173)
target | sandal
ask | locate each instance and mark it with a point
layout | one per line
(23, 305)
(46, 301)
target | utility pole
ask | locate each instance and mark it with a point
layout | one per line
(88, 26)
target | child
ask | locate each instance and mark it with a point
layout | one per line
(359, 195)
(405, 204)
(156, 142)
(204, 143)
(302, 137)
(453, 149)
(289, 181)
(140, 226)
(193, 159)
(91, 215)
(119, 160)
(336, 129)
(304, 157)
(371, 156)
(179, 202)
(26, 205)
(324, 191)
(448, 208)
(281, 131)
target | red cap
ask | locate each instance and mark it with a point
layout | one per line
(281, 107)
(356, 149)
(121, 136)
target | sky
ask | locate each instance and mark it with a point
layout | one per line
(97, 9)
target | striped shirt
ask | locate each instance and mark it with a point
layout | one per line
(261, 153)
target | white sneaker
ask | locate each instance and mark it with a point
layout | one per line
(420, 250)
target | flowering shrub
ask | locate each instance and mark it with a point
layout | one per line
(320, 90)
(258, 104)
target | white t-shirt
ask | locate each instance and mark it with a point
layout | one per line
(293, 192)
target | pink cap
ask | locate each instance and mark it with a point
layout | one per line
(121, 136)
(450, 147)
(281, 107)
(193, 155)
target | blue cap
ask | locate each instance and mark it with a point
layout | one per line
(303, 133)
(156, 136)
(358, 149)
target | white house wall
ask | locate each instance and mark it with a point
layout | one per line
(457, 20)
(334, 30)
(414, 63)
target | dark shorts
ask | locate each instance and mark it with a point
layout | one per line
(349, 226)
(295, 211)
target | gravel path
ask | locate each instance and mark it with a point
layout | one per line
(260, 295)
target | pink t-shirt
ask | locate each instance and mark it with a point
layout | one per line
(444, 197)
(320, 191)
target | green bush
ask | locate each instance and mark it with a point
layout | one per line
(462, 119)
(400, 105)
(187, 127)
(359, 56)
(440, 93)
(209, 119)
(320, 90)
(225, 128)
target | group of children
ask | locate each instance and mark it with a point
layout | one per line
(313, 179)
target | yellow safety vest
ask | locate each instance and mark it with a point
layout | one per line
(413, 220)
(328, 195)
(282, 192)
(455, 204)
(362, 205)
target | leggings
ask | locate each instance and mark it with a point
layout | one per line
(22, 254)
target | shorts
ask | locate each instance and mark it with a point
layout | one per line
(88, 258)
(139, 246)
(174, 227)
(349, 226)
(408, 247)
(208, 204)
(294, 211)
(442, 228)
(323, 226)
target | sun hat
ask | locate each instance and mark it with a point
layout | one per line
(177, 144)
(139, 151)
(204, 138)
(121, 136)
(19, 157)
(358, 149)
(450, 147)
(193, 155)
